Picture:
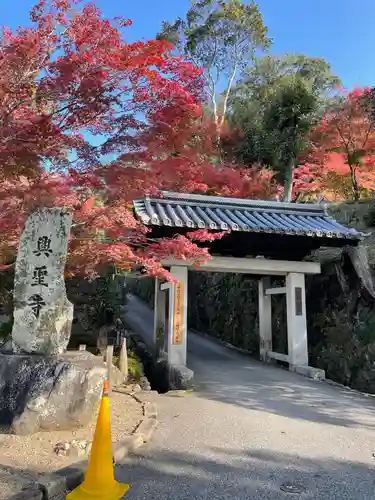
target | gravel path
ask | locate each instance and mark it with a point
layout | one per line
(248, 429)
(24, 458)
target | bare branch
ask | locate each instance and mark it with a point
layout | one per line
(227, 93)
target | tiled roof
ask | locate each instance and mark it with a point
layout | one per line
(216, 213)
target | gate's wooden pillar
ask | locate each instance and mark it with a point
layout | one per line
(296, 320)
(177, 322)
(265, 318)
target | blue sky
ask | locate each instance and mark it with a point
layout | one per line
(341, 31)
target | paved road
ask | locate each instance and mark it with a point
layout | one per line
(249, 428)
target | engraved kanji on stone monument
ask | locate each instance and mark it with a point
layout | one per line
(36, 303)
(42, 313)
(43, 246)
(39, 276)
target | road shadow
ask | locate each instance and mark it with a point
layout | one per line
(243, 381)
(222, 374)
(253, 474)
(227, 474)
(233, 378)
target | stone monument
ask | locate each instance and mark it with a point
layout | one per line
(43, 387)
(42, 313)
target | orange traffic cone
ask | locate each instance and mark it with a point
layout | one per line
(99, 483)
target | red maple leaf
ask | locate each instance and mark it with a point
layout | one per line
(345, 141)
(73, 89)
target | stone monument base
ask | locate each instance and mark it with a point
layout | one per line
(42, 393)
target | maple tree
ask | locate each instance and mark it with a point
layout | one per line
(347, 137)
(73, 90)
(71, 74)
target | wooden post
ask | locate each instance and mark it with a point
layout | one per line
(123, 364)
(82, 347)
(109, 360)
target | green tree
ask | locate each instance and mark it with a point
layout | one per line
(276, 105)
(222, 37)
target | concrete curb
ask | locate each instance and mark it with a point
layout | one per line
(30, 494)
(146, 429)
(64, 480)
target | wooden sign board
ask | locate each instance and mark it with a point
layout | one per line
(178, 314)
(298, 297)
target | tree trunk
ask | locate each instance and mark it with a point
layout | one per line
(220, 121)
(355, 187)
(289, 179)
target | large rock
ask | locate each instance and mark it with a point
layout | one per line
(42, 313)
(40, 393)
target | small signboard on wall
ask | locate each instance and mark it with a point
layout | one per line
(178, 314)
(298, 292)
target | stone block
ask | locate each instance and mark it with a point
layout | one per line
(30, 494)
(310, 372)
(40, 393)
(127, 445)
(51, 486)
(146, 428)
(150, 410)
(117, 378)
(42, 313)
(180, 377)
